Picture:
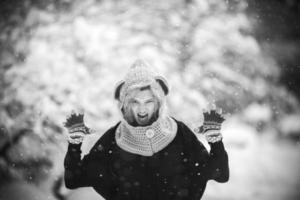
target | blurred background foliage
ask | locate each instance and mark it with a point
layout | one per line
(63, 55)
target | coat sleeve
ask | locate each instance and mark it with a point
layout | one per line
(217, 166)
(90, 170)
(75, 168)
(214, 164)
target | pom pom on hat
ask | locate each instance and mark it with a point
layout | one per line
(139, 75)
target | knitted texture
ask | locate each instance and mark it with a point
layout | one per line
(146, 140)
(212, 121)
(75, 123)
(139, 75)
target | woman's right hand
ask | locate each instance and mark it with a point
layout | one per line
(76, 137)
(76, 128)
(76, 133)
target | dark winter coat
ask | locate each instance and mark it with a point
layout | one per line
(179, 171)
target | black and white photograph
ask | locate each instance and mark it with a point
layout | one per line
(149, 100)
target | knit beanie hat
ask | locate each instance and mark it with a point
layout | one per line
(139, 75)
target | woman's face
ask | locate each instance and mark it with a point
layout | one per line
(143, 106)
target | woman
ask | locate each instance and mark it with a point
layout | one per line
(148, 155)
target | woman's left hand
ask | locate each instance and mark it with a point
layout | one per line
(213, 136)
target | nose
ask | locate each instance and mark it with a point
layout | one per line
(142, 109)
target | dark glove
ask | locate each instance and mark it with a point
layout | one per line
(212, 121)
(76, 128)
(211, 126)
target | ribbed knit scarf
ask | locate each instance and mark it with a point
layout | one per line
(146, 140)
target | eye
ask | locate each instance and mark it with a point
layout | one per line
(150, 101)
(133, 101)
